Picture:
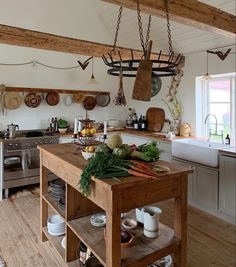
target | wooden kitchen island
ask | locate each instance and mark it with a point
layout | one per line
(113, 196)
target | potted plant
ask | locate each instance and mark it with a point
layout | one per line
(62, 125)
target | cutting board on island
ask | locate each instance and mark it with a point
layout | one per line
(155, 119)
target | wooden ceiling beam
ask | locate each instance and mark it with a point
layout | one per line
(189, 12)
(27, 38)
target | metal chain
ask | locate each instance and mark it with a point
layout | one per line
(140, 26)
(117, 27)
(168, 27)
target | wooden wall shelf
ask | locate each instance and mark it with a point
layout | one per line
(59, 91)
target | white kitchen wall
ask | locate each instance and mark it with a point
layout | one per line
(78, 18)
(195, 66)
(75, 19)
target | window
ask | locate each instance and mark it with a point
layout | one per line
(217, 97)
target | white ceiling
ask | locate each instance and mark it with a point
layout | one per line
(185, 39)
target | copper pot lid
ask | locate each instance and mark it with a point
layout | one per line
(103, 100)
(52, 98)
(89, 102)
(32, 100)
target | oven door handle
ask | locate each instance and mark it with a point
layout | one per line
(21, 150)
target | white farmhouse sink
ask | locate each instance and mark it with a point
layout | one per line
(198, 151)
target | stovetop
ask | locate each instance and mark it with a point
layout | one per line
(25, 141)
(27, 134)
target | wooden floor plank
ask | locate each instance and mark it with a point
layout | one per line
(211, 242)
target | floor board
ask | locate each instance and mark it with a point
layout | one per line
(211, 242)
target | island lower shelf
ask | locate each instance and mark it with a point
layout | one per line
(143, 248)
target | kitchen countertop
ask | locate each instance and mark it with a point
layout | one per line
(145, 134)
(156, 136)
(229, 151)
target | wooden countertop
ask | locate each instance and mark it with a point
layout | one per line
(68, 155)
(145, 134)
(229, 151)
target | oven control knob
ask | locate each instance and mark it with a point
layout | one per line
(45, 142)
(40, 142)
(50, 141)
(35, 143)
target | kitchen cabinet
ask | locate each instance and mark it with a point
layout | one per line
(113, 198)
(202, 186)
(205, 187)
(227, 185)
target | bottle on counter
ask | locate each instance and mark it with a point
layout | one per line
(227, 140)
(55, 125)
(52, 125)
(140, 121)
(143, 125)
(135, 119)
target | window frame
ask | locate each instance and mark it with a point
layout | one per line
(203, 104)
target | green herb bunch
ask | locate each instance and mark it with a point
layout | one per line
(103, 166)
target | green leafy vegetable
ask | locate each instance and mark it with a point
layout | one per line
(103, 166)
(146, 152)
(103, 148)
(122, 152)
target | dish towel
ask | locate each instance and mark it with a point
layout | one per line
(2, 262)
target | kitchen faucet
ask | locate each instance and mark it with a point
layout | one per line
(215, 133)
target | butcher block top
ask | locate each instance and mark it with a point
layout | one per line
(69, 156)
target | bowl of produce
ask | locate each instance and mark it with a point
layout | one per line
(88, 152)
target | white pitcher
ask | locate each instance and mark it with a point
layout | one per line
(151, 221)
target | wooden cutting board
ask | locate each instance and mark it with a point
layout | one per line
(155, 119)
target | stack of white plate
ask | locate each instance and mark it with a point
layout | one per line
(58, 189)
(56, 225)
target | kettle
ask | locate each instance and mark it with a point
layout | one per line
(12, 130)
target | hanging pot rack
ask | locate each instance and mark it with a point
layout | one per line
(161, 67)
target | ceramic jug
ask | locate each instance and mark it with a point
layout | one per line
(151, 221)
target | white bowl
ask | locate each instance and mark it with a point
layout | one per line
(63, 242)
(87, 155)
(129, 224)
(56, 224)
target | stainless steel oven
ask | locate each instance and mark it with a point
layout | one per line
(21, 160)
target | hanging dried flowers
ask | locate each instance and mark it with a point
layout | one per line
(175, 108)
(120, 98)
(175, 82)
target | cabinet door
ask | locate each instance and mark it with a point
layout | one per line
(165, 151)
(205, 187)
(227, 185)
(191, 176)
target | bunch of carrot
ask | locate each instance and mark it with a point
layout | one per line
(141, 169)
